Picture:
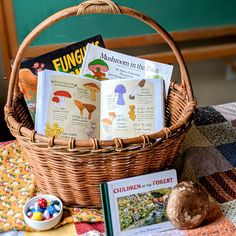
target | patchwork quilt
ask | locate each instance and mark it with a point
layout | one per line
(207, 155)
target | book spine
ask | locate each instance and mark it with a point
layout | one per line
(106, 209)
(39, 102)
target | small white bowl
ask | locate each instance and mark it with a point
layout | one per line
(44, 224)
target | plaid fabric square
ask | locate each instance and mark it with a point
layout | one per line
(227, 110)
(229, 152)
(194, 138)
(205, 161)
(208, 115)
(219, 134)
(221, 185)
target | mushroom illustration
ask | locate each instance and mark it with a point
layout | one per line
(131, 113)
(80, 105)
(90, 108)
(112, 115)
(56, 101)
(38, 67)
(61, 94)
(93, 88)
(120, 89)
(98, 67)
(27, 83)
(107, 123)
(137, 89)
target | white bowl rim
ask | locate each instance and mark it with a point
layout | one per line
(42, 196)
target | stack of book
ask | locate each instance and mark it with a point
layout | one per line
(103, 95)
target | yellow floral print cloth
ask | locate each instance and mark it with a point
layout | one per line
(17, 185)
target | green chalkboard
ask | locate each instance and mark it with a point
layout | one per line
(173, 15)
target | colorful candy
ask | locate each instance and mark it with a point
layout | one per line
(46, 214)
(43, 209)
(42, 202)
(51, 209)
(57, 207)
(37, 216)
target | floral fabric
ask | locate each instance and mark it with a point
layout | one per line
(17, 185)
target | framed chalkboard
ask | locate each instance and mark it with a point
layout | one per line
(184, 19)
(173, 15)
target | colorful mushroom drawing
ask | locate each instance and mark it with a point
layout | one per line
(131, 112)
(120, 90)
(93, 88)
(107, 122)
(80, 105)
(90, 108)
(53, 130)
(98, 67)
(56, 101)
(112, 115)
(38, 67)
(137, 89)
(61, 95)
(28, 83)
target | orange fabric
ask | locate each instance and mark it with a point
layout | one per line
(17, 185)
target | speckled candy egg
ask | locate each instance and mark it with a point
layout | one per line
(42, 202)
(51, 209)
(188, 205)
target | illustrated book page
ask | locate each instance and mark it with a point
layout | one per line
(67, 59)
(131, 107)
(68, 106)
(72, 106)
(103, 64)
(137, 205)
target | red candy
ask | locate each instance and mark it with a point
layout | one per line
(42, 202)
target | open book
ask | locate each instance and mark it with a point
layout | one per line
(76, 106)
(137, 205)
(102, 64)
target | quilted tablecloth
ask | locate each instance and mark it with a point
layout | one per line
(207, 155)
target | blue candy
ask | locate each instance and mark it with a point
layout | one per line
(51, 209)
(39, 210)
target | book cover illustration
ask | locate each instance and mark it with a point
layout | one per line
(67, 59)
(104, 64)
(72, 106)
(138, 204)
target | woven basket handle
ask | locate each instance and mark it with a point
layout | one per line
(96, 7)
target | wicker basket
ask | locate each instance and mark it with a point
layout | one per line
(73, 169)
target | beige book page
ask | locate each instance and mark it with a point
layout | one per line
(73, 107)
(131, 107)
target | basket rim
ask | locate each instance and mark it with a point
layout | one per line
(95, 144)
